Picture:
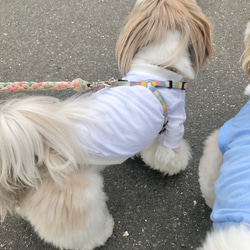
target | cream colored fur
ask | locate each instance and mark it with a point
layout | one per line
(45, 175)
(168, 161)
(209, 168)
(74, 216)
(42, 129)
(246, 55)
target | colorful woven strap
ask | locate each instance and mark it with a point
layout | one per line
(166, 84)
(164, 107)
(160, 98)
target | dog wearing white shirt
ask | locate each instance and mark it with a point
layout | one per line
(52, 151)
(172, 48)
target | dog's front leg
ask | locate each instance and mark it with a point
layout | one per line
(166, 160)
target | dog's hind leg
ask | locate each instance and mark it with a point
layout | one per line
(71, 216)
(209, 167)
(166, 160)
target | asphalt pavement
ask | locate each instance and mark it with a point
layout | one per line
(66, 39)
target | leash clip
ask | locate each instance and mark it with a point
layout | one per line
(95, 86)
(110, 82)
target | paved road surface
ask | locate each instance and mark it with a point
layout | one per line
(63, 40)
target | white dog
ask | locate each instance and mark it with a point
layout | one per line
(225, 177)
(52, 152)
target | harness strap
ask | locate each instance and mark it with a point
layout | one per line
(165, 112)
(166, 84)
(153, 88)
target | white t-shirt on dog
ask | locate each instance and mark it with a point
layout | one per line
(133, 120)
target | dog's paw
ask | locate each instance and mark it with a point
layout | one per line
(166, 160)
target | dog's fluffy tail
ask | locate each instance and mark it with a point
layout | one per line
(246, 55)
(227, 239)
(41, 132)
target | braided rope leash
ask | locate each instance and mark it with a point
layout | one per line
(78, 85)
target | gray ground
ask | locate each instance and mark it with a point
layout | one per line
(63, 40)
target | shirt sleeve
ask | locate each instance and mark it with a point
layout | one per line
(175, 102)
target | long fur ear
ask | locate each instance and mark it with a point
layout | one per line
(149, 21)
(39, 133)
(246, 54)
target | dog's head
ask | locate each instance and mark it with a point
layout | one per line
(152, 21)
(246, 55)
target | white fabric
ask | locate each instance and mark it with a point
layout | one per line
(132, 119)
(174, 99)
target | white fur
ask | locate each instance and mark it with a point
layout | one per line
(72, 217)
(168, 161)
(209, 167)
(247, 90)
(161, 53)
(233, 238)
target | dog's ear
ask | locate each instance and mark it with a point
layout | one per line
(145, 23)
(200, 44)
(246, 55)
(151, 19)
